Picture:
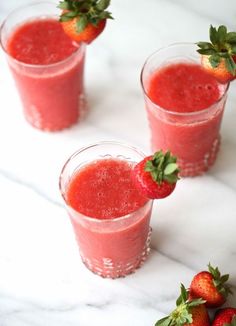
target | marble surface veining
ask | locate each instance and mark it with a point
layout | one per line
(42, 280)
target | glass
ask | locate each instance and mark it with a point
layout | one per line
(108, 247)
(193, 137)
(52, 94)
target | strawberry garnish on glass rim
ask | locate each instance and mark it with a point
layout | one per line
(156, 176)
(219, 55)
(188, 311)
(84, 20)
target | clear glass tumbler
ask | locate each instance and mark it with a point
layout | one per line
(111, 247)
(192, 136)
(52, 94)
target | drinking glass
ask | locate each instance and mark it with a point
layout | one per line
(194, 137)
(52, 95)
(111, 247)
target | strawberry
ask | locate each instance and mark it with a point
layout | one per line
(225, 317)
(211, 286)
(156, 175)
(219, 55)
(84, 20)
(188, 312)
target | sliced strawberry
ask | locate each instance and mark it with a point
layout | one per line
(84, 20)
(211, 286)
(218, 55)
(156, 175)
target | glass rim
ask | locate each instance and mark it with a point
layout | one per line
(80, 48)
(94, 219)
(168, 111)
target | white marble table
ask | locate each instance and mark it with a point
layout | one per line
(42, 280)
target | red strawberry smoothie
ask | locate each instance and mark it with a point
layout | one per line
(48, 70)
(185, 106)
(110, 217)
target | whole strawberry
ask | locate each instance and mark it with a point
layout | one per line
(211, 286)
(84, 20)
(156, 175)
(218, 55)
(188, 312)
(225, 317)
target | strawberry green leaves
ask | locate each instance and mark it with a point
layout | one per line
(220, 281)
(166, 321)
(222, 47)
(103, 4)
(81, 23)
(183, 295)
(182, 314)
(184, 298)
(163, 167)
(230, 64)
(87, 12)
(156, 175)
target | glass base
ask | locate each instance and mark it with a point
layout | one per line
(200, 167)
(107, 268)
(36, 119)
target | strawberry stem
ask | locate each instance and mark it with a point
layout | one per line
(221, 47)
(181, 315)
(219, 281)
(85, 11)
(162, 167)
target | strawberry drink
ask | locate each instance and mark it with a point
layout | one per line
(109, 215)
(184, 105)
(47, 66)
